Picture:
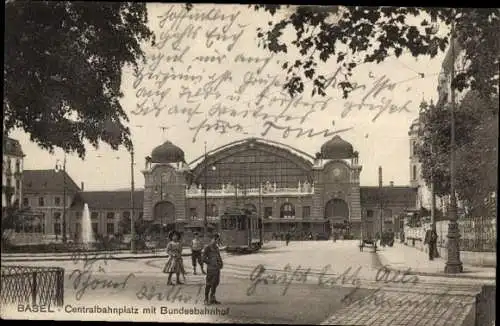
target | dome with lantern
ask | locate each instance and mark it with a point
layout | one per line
(337, 148)
(167, 153)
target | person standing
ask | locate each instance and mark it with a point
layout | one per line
(174, 263)
(287, 238)
(196, 248)
(211, 256)
(431, 236)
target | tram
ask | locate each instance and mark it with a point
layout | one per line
(241, 230)
(189, 230)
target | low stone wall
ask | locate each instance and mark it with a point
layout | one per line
(472, 258)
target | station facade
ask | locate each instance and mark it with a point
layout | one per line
(289, 189)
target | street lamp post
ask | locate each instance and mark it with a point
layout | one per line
(132, 190)
(453, 263)
(58, 168)
(162, 224)
(381, 212)
(205, 220)
(205, 215)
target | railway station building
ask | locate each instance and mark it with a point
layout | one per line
(290, 189)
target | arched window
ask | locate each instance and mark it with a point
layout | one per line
(287, 211)
(414, 173)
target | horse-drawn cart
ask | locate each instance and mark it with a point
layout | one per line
(367, 240)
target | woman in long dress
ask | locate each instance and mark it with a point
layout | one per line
(174, 263)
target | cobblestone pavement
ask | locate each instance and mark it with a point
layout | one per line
(387, 308)
(310, 301)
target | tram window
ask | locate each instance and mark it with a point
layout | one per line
(242, 223)
(228, 223)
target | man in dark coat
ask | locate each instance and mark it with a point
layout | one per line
(213, 260)
(431, 240)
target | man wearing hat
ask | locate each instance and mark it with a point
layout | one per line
(211, 257)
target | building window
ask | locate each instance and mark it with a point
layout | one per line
(414, 173)
(26, 202)
(369, 213)
(95, 228)
(41, 202)
(110, 228)
(141, 214)
(18, 166)
(9, 182)
(287, 211)
(306, 211)
(9, 164)
(193, 213)
(212, 210)
(251, 169)
(57, 228)
(126, 214)
(268, 212)
(57, 215)
(57, 201)
(18, 185)
(94, 215)
(78, 214)
(110, 215)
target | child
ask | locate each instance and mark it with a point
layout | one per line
(174, 263)
(196, 247)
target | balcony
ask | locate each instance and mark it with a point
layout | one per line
(266, 189)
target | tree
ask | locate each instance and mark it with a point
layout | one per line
(349, 36)
(125, 224)
(476, 122)
(354, 35)
(63, 68)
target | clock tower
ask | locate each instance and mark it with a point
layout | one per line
(337, 182)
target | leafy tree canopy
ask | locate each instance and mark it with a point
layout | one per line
(63, 68)
(476, 123)
(354, 35)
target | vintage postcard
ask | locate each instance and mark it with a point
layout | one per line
(230, 163)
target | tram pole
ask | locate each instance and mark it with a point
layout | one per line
(205, 220)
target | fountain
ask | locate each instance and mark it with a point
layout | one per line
(87, 236)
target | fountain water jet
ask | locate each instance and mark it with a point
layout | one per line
(87, 235)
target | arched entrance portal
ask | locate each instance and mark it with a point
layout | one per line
(337, 209)
(164, 213)
(164, 220)
(337, 213)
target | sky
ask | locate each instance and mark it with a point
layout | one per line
(214, 51)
